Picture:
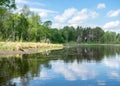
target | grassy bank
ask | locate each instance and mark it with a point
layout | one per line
(13, 46)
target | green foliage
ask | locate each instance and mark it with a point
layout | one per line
(47, 24)
(8, 3)
(27, 26)
(56, 36)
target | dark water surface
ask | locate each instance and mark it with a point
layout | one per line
(73, 66)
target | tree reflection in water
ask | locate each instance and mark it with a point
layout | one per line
(26, 67)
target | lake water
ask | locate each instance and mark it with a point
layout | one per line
(73, 66)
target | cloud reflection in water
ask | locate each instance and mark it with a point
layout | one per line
(70, 71)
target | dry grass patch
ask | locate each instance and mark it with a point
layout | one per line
(26, 45)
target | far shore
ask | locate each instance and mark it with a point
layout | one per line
(13, 48)
(89, 44)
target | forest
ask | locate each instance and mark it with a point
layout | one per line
(27, 26)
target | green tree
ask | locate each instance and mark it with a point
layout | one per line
(35, 28)
(56, 36)
(47, 24)
(97, 33)
(23, 28)
(8, 3)
(118, 38)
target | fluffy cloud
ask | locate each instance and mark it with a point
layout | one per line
(113, 13)
(66, 15)
(101, 6)
(114, 75)
(79, 17)
(21, 1)
(42, 12)
(74, 17)
(28, 2)
(58, 25)
(72, 71)
(16, 80)
(111, 25)
(112, 63)
(82, 16)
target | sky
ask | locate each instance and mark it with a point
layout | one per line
(85, 13)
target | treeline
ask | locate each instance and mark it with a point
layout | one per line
(27, 26)
(23, 26)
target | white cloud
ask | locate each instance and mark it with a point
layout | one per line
(111, 25)
(58, 25)
(16, 81)
(93, 14)
(21, 1)
(74, 17)
(44, 75)
(42, 12)
(28, 2)
(101, 6)
(112, 63)
(66, 15)
(37, 3)
(72, 71)
(114, 75)
(101, 82)
(113, 13)
(82, 16)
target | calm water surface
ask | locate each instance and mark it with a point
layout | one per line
(73, 66)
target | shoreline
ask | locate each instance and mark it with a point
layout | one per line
(13, 48)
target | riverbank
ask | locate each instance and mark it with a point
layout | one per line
(79, 44)
(10, 48)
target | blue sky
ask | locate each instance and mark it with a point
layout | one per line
(103, 13)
